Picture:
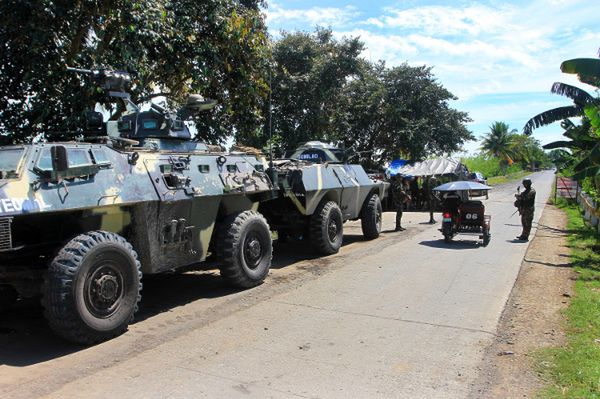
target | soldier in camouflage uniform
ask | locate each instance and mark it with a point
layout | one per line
(526, 204)
(430, 197)
(400, 197)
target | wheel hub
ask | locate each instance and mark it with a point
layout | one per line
(253, 251)
(332, 230)
(107, 287)
(104, 291)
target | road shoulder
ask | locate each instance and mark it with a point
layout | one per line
(532, 318)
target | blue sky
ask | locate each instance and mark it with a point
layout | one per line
(499, 57)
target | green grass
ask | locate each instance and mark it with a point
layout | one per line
(508, 178)
(573, 371)
(488, 166)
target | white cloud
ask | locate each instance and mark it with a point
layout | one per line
(444, 20)
(475, 49)
(311, 17)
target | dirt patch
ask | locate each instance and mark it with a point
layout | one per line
(532, 319)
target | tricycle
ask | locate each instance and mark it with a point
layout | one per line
(462, 215)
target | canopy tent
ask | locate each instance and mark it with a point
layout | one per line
(437, 167)
(395, 167)
(462, 186)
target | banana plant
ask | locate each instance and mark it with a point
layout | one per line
(584, 140)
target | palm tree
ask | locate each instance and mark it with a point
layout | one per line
(499, 143)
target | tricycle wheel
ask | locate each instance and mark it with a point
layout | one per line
(447, 232)
(486, 239)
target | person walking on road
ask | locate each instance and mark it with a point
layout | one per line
(526, 205)
(400, 197)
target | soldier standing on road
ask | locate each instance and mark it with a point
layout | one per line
(430, 197)
(400, 197)
(526, 204)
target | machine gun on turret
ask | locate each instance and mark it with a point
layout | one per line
(147, 128)
(112, 82)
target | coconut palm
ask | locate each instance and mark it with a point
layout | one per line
(499, 142)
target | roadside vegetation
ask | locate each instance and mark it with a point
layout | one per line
(573, 371)
(577, 156)
(507, 155)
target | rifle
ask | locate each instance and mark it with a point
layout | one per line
(517, 201)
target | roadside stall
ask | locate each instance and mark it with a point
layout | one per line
(423, 176)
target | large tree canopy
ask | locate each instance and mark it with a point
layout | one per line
(320, 86)
(214, 47)
(309, 73)
(322, 89)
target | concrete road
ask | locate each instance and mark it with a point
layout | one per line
(402, 316)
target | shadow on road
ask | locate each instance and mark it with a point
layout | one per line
(295, 250)
(567, 265)
(456, 244)
(26, 339)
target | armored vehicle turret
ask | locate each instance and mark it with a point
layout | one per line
(318, 192)
(82, 222)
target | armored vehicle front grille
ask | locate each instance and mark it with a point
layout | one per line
(5, 234)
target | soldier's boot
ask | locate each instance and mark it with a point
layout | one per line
(431, 219)
(398, 223)
(525, 234)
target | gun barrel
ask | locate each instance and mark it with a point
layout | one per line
(80, 70)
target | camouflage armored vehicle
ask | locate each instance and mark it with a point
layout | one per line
(317, 193)
(81, 222)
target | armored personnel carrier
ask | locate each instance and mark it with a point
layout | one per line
(317, 193)
(81, 222)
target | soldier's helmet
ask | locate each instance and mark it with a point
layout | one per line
(527, 182)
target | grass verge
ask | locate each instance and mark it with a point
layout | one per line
(511, 177)
(573, 371)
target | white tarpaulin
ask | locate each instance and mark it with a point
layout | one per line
(437, 167)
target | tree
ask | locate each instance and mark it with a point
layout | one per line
(398, 112)
(528, 152)
(499, 142)
(584, 138)
(418, 118)
(310, 71)
(217, 47)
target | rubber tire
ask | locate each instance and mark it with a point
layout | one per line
(63, 293)
(230, 252)
(8, 297)
(319, 223)
(447, 231)
(371, 218)
(486, 237)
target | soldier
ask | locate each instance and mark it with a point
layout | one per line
(430, 197)
(400, 196)
(526, 204)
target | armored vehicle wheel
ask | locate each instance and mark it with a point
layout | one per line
(326, 228)
(8, 296)
(92, 288)
(371, 217)
(245, 249)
